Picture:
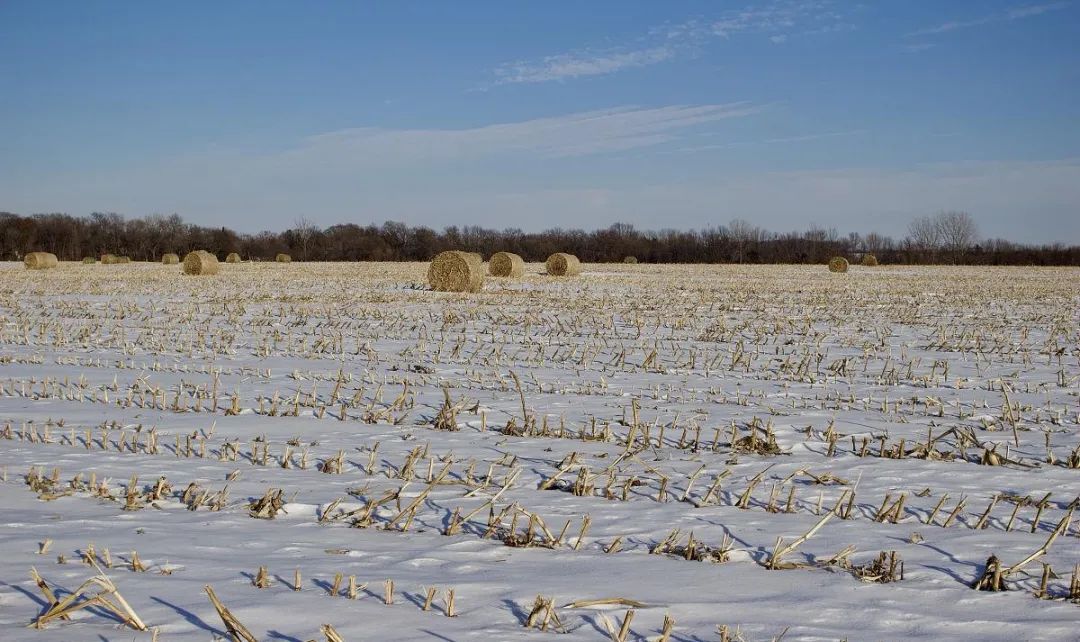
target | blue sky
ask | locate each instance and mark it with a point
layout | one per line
(786, 113)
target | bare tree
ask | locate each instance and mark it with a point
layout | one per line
(875, 243)
(743, 235)
(924, 235)
(957, 232)
(305, 233)
(818, 234)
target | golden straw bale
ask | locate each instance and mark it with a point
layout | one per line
(869, 260)
(170, 258)
(506, 264)
(283, 258)
(838, 264)
(40, 260)
(201, 262)
(456, 271)
(562, 264)
(233, 257)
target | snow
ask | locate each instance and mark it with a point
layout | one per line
(140, 347)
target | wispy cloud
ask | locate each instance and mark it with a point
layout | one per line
(776, 21)
(1016, 13)
(576, 65)
(1034, 10)
(578, 134)
(776, 18)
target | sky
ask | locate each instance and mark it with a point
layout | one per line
(785, 113)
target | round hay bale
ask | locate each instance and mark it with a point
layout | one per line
(506, 264)
(201, 262)
(456, 271)
(283, 258)
(869, 260)
(89, 260)
(630, 260)
(562, 264)
(838, 264)
(123, 259)
(108, 259)
(233, 257)
(170, 258)
(40, 260)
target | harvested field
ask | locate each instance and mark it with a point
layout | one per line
(642, 452)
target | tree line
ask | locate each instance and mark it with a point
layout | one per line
(946, 237)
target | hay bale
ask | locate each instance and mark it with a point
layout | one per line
(233, 257)
(89, 260)
(838, 264)
(40, 260)
(201, 262)
(630, 260)
(108, 259)
(123, 259)
(170, 259)
(283, 258)
(506, 264)
(869, 260)
(456, 271)
(562, 264)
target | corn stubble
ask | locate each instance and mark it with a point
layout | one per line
(737, 403)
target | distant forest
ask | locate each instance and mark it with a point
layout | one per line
(946, 237)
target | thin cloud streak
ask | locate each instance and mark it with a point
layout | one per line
(577, 65)
(1017, 13)
(579, 134)
(776, 20)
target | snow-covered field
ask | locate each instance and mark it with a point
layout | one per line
(641, 435)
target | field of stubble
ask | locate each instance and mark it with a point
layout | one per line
(684, 453)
